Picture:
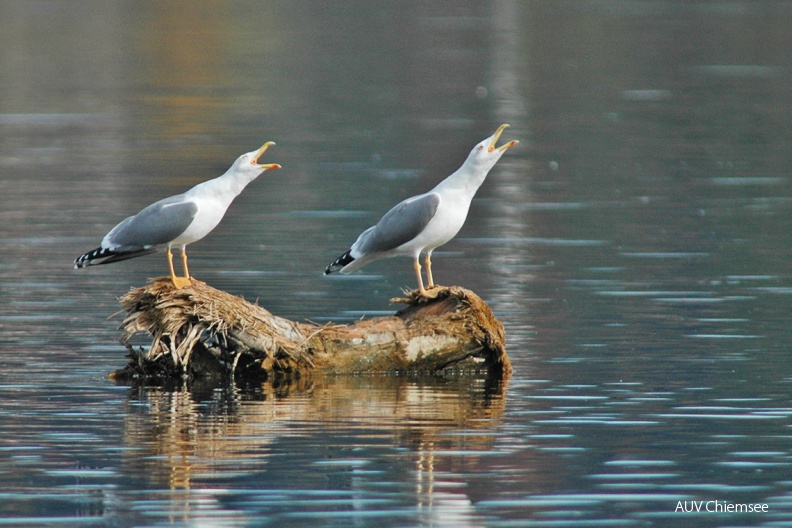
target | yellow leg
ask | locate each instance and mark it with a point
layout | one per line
(429, 278)
(417, 266)
(178, 282)
(170, 265)
(184, 263)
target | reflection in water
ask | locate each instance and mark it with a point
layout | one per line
(189, 438)
(508, 270)
(186, 65)
(636, 246)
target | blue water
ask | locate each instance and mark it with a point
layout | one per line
(635, 245)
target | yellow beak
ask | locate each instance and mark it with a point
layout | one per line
(497, 135)
(258, 154)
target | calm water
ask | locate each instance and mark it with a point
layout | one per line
(636, 246)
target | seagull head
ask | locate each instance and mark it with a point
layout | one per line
(486, 154)
(248, 164)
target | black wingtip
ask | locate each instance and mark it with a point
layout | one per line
(86, 259)
(102, 255)
(340, 262)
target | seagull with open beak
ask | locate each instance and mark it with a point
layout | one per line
(425, 222)
(179, 220)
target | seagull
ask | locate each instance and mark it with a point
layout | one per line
(422, 223)
(178, 220)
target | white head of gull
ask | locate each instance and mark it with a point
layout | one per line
(179, 220)
(422, 223)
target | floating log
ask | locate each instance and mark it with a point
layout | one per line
(201, 332)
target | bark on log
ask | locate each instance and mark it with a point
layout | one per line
(200, 332)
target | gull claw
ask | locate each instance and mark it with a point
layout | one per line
(181, 282)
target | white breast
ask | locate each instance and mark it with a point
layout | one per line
(210, 213)
(446, 223)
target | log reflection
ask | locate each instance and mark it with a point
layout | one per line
(189, 437)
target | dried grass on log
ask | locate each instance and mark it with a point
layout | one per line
(202, 332)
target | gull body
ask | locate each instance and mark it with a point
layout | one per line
(179, 220)
(422, 223)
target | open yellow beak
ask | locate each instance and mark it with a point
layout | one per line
(495, 137)
(258, 154)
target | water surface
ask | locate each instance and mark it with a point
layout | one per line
(636, 246)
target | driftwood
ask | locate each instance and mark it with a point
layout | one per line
(201, 332)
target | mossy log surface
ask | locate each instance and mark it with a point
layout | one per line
(200, 332)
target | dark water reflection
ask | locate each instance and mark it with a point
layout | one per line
(384, 442)
(636, 247)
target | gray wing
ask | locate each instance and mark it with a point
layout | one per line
(159, 223)
(399, 225)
